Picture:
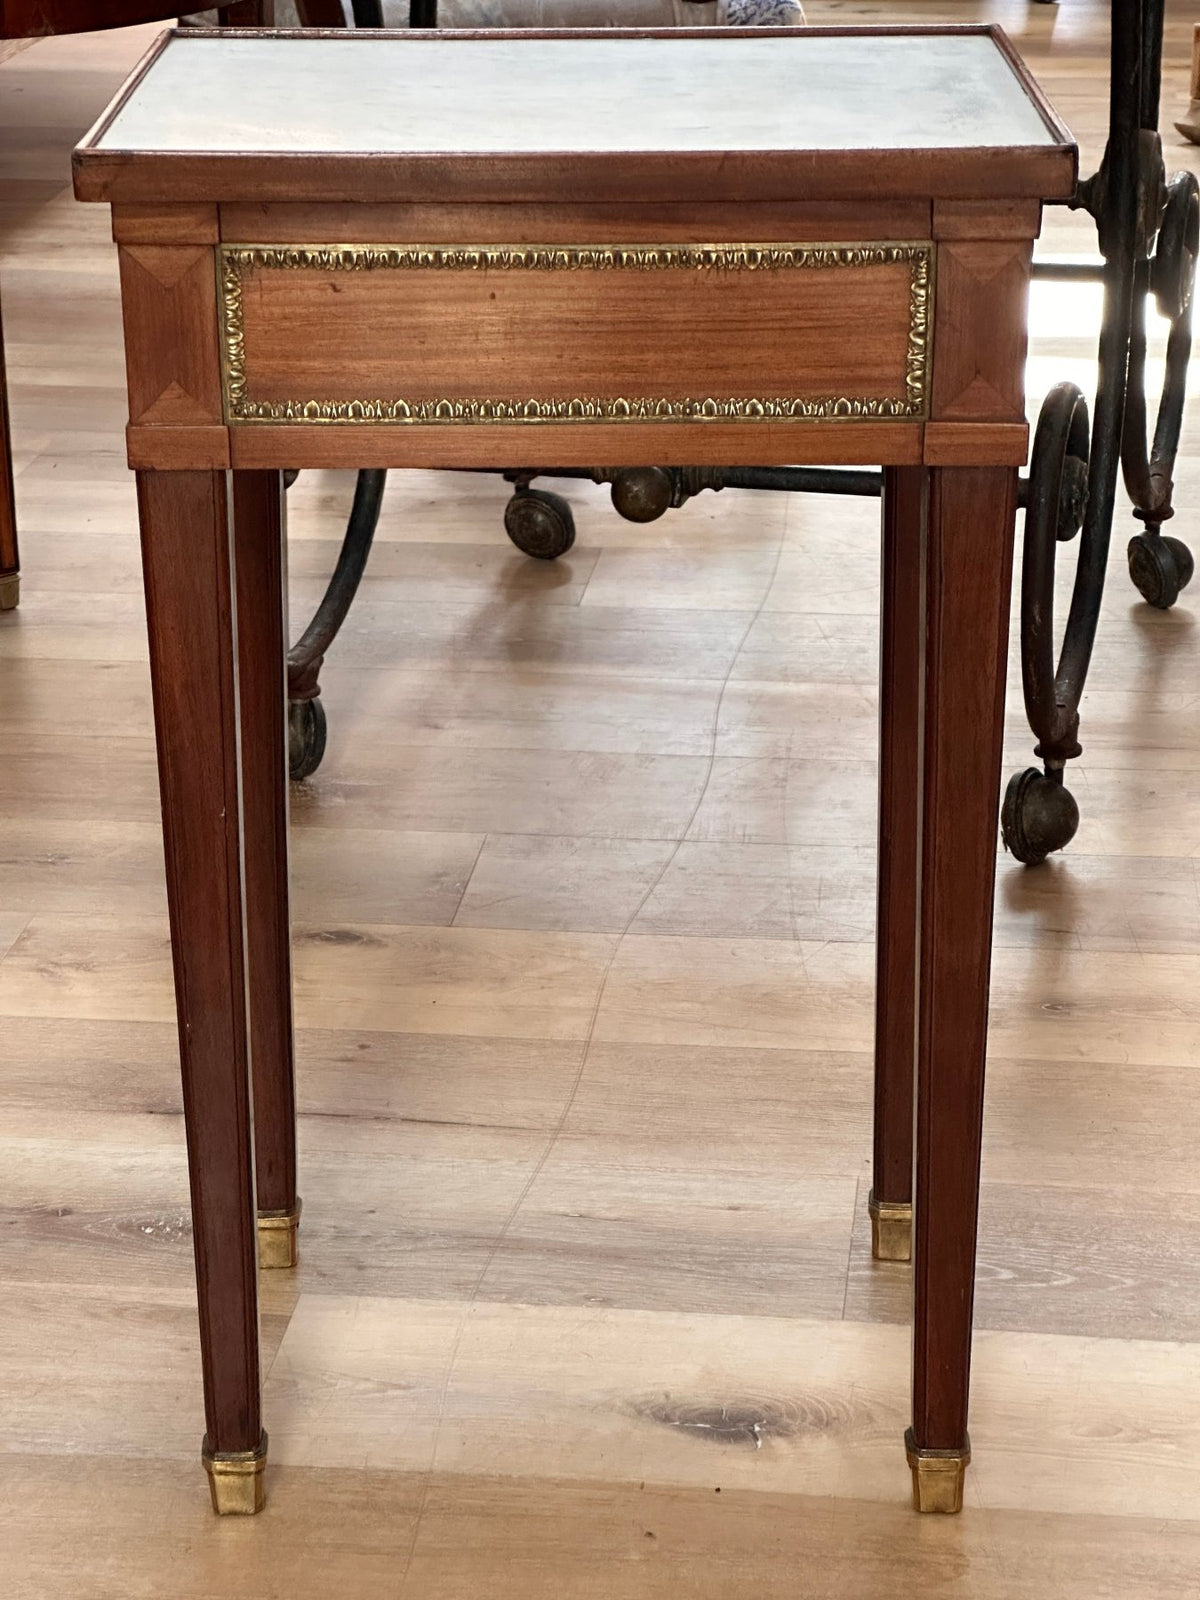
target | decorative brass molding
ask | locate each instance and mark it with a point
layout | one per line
(235, 260)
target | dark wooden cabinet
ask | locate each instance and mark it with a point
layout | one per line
(29, 19)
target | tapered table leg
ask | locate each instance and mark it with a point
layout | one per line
(899, 829)
(968, 566)
(186, 554)
(261, 550)
(10, 564)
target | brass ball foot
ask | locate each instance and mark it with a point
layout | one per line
(277, 1245)
(891, 1229)
(937, 1476)
(10, 591)
(235, 1479)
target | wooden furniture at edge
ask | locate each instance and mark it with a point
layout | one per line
(869, 273)
(34, 19)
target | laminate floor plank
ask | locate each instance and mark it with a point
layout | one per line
(429, 1386)
(388, 1535)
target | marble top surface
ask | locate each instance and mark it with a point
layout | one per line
(744, 92)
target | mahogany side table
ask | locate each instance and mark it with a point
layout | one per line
(763, 247)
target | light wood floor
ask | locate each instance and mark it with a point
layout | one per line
(584, 919)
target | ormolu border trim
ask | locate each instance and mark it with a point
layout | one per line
(234, 261)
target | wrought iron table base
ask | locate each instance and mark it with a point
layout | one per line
(1149, 233)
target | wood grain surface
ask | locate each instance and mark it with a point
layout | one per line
(260, 553)
(967, 569)
(579, 223)
(186, 525)
(728, 443)
(899, 849)
(591, 333)
(169, 295)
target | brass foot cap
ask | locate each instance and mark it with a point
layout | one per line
(277, 1238)
(10, 591)
(937, 1476)
(235, 1478)
(891, 1229)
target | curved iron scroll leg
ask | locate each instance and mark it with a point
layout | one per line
(1160, 565)
(1121, 182)
(306, 719)
(1121, 197)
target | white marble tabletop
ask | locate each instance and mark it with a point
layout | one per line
(743, 92)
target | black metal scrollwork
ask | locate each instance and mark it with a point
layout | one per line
(1039, 814)
(1148, 236)
(1160, 565)
(306, 716)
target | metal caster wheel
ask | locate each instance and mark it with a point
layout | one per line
(1039, 816)
(1160, 567)
(540, 523)
(306, 737)
(642, 494)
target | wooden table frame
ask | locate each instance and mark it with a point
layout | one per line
(209, 443)
(27, 19)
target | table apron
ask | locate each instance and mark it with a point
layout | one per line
(892, 352)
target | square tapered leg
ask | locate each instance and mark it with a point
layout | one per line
(967, 564)
(890, 1203)
(187, 552)
(259, 537)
